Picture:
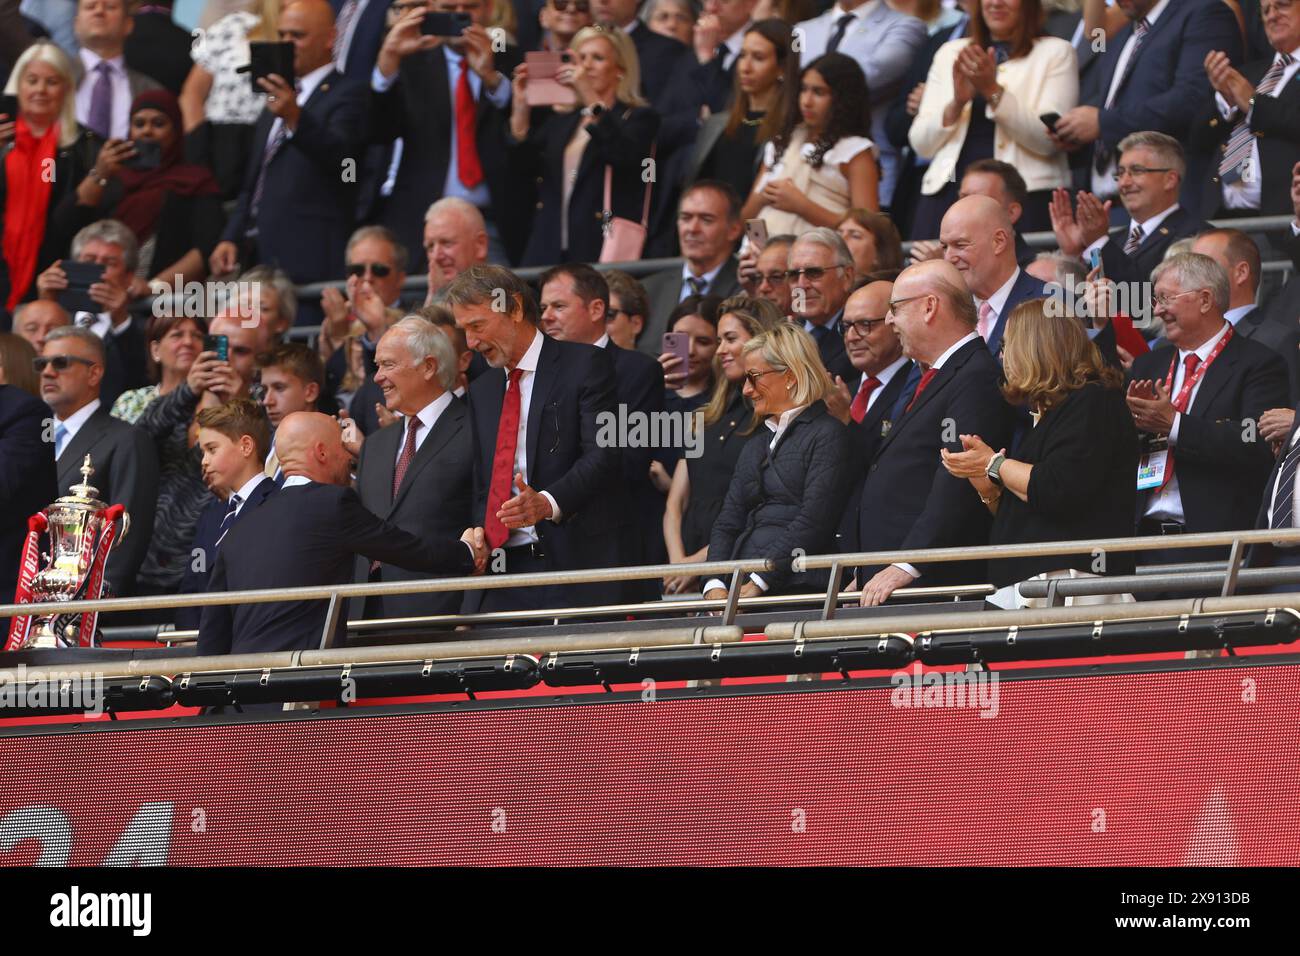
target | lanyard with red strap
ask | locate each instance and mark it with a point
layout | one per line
(1184, 397)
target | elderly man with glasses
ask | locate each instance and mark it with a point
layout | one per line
(71, 367)
(820, 272)
(1149, 175)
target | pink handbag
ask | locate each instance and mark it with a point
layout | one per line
(624, 239)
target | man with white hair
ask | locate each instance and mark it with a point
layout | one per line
(821, 273)
(1196, 399)
(416, 473)
(455, 238)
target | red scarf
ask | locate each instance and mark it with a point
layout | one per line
(29, 179)
(146, 190)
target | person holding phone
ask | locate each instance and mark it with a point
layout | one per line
(687, 357)
(41, 212)
(173, 207)
(569, 153)
(822, 163)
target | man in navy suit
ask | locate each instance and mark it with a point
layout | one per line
(545, 487)
(978, 238)
(360, 28)
(909, 501)
(27, 476)
(575, 301)
(234, 438)
(308, 534)
(1151, 77)
(418, 472)
(418, 89)
(297, 204)
(1151, 170)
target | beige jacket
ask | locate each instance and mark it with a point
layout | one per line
(1045, 81)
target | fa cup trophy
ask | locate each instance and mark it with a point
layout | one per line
(82, 530)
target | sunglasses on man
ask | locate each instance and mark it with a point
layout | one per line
(377, 269)
(61, 363)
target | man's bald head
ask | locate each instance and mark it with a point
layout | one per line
(311, 444)
(309, 26)
(932, 309)
(870, 351)
(979, 240)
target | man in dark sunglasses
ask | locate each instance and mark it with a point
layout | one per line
(71, 367)
(820, 273)
(562, 19)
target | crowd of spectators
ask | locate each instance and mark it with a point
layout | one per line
(832, 390)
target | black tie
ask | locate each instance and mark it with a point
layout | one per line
(228, 518)
(841, 26)
(697, 285)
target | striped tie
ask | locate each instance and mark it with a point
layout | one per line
(1236, 155)
(232, 509)
(1284, 505)
(1134, 240)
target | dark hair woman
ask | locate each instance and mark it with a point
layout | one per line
(1073, 474)
(822, 164)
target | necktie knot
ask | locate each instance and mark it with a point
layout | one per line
(983, 325)
(1142, 27)
(697, 285)
(515, 375)
(234, 503)
(1190, 363)
(103, 68)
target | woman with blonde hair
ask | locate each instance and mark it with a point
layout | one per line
(52, 170)
(16, 369)
(579, 155)
(700, 484)
(1074, 477)
(791, 482)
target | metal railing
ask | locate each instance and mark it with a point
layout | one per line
(728, 608)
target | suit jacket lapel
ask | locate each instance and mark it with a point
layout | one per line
(1216, 377)
(547, 369)
(946, 374)
(387, 454)
(875, 417)
(448, 424)
(88, 435)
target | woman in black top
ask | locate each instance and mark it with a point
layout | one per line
(1074, 477)
(791, 481)
(700, 484)
(766, 73)
(567, 151)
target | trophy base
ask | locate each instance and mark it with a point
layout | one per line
(43, 636)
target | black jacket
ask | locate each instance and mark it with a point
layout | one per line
(1220, 460)
(710, 473)
(63, 217)
(909, 501)
(1122, 267)
(788, 500)
(1083, 486)
(27, 476)
(865, 437)
(434, 501)
(621, 138)
(306, 535)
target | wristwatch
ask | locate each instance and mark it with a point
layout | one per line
(993, 471)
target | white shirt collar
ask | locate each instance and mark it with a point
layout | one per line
(734, 42)
(778, 427)
(294, 480)
(708, 277)
(307, 84)
(999, 299)
(631, 26)
(889, 371)
(428, 415)
(1240, 312)
(602, 342)
(90, 60)
(860, 11)
(1206, 347)
(78, 418)
(249, 487)
(952, 349)
(1152, 224)
(1155, 12)
(534, 354)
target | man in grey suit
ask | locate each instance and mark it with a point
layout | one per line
(884, 42)
(418, 472)
(1239, 256)
(105, 85)
(125, 461)
(708, 227)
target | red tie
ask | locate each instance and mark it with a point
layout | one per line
(859, 407)
(928, 374)
(467, 164)
(408, 453)
(503, 462)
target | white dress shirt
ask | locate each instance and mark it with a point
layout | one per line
(938, 364)
(528, 364)
(121, 116)
(1243, 194)
(428, 417)
(1167, 504)
(247, 489)
(1147, 226)
(74, 422)
(1103, 183)
(708, 278)
(733, 44)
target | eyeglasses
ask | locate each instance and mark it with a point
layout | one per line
(896, 304)
(813, 274)
(578, 6)
(1281, 6)
(61, 363)
(1138, 171)
(771, 278)
(753, 377)
(612, 313)
(377, 269)
(1162, 301)
(863, 327)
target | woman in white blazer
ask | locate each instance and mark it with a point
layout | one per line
(983, 98)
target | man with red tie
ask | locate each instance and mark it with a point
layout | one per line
(442, 102)
(545, 490)
(909, 501)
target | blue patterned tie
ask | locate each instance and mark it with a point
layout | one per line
(228, 518)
